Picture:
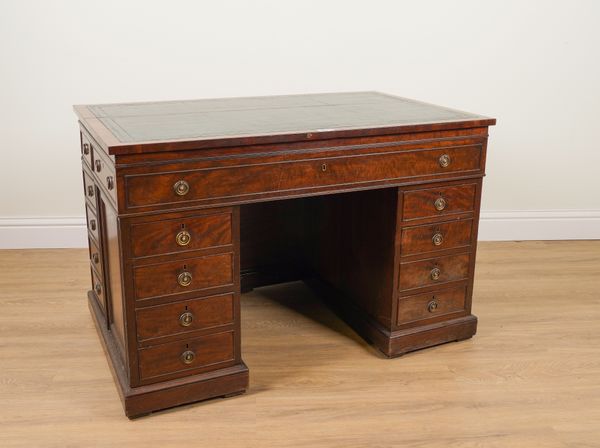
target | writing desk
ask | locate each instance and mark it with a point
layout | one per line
(372, 198)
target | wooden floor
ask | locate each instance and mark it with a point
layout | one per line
(530, 377)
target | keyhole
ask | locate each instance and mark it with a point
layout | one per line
(324, 167)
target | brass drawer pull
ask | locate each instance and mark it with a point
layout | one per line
(86, 148)
(432, 306)
(98, 165)
(437, 239)
(435, 274)
(96, 258)
(93, 224)
(110, 182)
(444, 160)
(185, 278)
(440, 204)
(90, 191)
(183, 238)
(98, 288)
(186, 319)
(188, 357)
(181, 187)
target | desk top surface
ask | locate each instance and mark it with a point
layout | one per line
(134, 127)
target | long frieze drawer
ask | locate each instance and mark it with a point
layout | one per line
(181, 234)
(434, 271)
(243, 180)
(184, 317)
(439, 201)
(182, 356)
(431, 305)
(185, 276)
(92, 222)
(434, 237)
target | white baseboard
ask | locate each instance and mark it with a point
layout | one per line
(510, 225)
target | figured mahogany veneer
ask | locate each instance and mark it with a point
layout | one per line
(190, 202)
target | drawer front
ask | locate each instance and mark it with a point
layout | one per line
(170, 278)
(98, 288)
(439, 201)
(434, 271)
(184, 317)
(180, 357)
(92, 223)
(104, 170)
(242, 180)
(434, 237)
(431, 305)
(89, 188)
(181, 234)
(86, 149)
(95, 257)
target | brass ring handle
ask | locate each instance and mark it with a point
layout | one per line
(98, 165)
(435, 274)
(183, 238)
(110, 182)
(185, 278)
(432, 306)
(181, 187)
(98, 288)
(437, 239)
(86, 148)
(95, 258)
(444, 160)
(90, 191)
(188, 357)
(186, 319)
(440, 204)
(93, 224)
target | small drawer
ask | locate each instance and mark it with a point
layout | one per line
(89, 189)
(104, 170)
(86, 149)
(181, 234)
(92, 222)
(431, 305)
(173, 358)
(185, 276)
(98, 288)
(184, 317)
(434, 271)
(95, 257)
(439, 201)
(434, 237)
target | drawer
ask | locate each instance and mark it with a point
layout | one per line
(92, 222)
(439, 201)
(184, 317)
(95, 257)
(180, 357)
(431, 305)
(98, 288)
(89, 188)
(242, 180)
(434, 271)
(434, 237)
(86, 149)
(185, 276)
(104, 170)
(181, 234)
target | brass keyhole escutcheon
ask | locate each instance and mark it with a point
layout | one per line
(185, 278)
(323, 167)
(186, 319)
(181, 187)
(437, 239)
(183, 238)
(440, 204)
(444, 160)
(432, 306)
(435, 274)
(188, 357)
(86, 148)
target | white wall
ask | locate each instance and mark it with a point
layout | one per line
(534, 65)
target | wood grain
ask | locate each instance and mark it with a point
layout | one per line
(529, 378)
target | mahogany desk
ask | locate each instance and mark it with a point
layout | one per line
(371, 197)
